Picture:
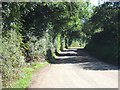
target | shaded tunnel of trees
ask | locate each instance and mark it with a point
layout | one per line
(35, 31)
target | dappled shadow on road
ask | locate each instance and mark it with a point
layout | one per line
(80, 57)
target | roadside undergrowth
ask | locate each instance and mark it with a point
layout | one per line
(27, 73)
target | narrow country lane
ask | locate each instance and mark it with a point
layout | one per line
(74, 68)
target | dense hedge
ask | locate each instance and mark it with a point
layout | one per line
(34, 31)
(104, 25)
(104, 47)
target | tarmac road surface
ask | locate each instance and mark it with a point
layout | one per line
(74, 68)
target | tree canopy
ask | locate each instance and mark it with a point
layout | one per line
(33, 30)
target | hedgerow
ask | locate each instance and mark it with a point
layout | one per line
(34, 31)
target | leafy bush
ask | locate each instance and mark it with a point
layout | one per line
(105, 43)
(101, 45)
(38, 48)
(12, 58)
(30, 32)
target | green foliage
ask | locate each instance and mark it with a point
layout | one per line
(103, 39)
(49, 56)
(12, 58)
(27, 73)
(58, 43)
(75, 44)
(37, 48)
(35, 30)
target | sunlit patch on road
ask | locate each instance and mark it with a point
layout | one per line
(76, 71)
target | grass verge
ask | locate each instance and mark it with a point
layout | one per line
(26, 74)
